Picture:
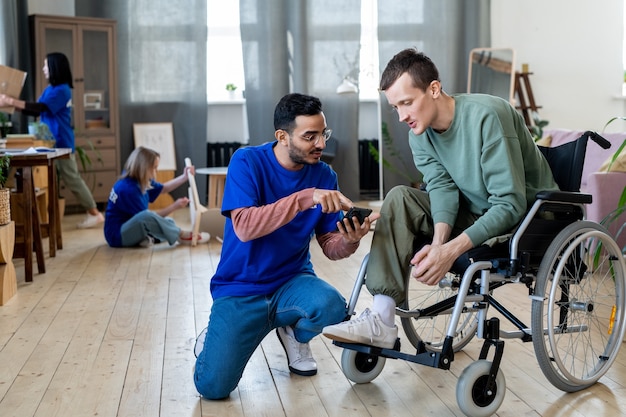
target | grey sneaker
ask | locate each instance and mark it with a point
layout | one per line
(367, 329)
(299, 356)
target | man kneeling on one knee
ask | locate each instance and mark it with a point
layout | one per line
(277, 196)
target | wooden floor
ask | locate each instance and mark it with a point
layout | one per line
(110, 332)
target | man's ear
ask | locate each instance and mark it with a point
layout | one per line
(281, 136)
(434, 88)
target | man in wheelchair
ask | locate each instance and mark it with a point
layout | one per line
(482, 170)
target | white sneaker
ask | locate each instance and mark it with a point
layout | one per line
(186, 238)
(367, 329)
(199, 343)
(91, 221)
(299, 356)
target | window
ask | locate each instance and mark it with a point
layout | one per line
(224, 53)
(225, 59)
(368, 75)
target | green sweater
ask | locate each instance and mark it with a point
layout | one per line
(486, 162)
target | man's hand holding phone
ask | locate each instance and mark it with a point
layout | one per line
(351, 226)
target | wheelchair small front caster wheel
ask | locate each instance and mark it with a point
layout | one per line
(475, 399)
(359, 367)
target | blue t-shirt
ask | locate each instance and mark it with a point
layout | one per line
(126, 200)
(58, 98)
(261, 266)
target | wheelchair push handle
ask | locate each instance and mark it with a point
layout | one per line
(605, 144)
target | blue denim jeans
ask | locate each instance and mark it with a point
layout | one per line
(237, 325)
(146, 223)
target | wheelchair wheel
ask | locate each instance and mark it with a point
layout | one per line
(431, 329)
(475, 399)
(359, 367)
(578, 315)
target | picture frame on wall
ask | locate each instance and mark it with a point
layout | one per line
(160, 137)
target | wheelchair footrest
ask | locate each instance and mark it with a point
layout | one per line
(431, 359)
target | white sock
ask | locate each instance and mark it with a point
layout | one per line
(385, 306)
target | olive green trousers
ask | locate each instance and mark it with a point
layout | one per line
(405, 226)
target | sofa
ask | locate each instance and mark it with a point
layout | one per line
(605, 187)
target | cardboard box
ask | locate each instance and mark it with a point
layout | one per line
(11, 83)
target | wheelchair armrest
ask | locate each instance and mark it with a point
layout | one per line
(565, 196)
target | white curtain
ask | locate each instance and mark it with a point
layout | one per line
(15, 51)
(162, 72)
(305, 47)
(446, 31)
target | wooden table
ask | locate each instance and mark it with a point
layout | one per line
(32, 229)
(217, 179)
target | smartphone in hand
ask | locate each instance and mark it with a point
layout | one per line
(358, 212)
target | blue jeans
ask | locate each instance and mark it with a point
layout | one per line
(146, 223)
(237, 325)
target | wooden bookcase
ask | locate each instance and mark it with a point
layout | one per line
(90, 45)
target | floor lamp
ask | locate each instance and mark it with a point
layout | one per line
(381, 191)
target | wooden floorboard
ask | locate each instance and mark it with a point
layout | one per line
(110, 332)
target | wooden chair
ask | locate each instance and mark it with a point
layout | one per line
(203, 219)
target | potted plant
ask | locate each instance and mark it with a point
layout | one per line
(5, 193)
(41, 131)
(86, 163)
(404, 169)
(230, 87)
(536, 130)
(620, 209)
(5, 125)
(614, 215)
(621, 204)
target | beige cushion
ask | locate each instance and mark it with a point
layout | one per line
(545, 141)
(618, 165)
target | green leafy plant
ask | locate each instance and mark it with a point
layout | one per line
(5, 166)
(537, 128)
(404, 169)
(231, 87)
(86, 163)
(614, 215)
(5, 125)
(42, 131)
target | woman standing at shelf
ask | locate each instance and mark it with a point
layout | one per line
(53, 107)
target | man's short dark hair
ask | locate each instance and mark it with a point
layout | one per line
(293, 105)
(420, 67)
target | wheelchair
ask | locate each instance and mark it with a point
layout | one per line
(575, 274)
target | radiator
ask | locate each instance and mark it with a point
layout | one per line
(219, 154)
(368, 167)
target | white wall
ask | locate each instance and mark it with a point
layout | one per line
(227, 122)
(574, 49)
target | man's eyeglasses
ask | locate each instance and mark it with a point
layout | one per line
(314, 139)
